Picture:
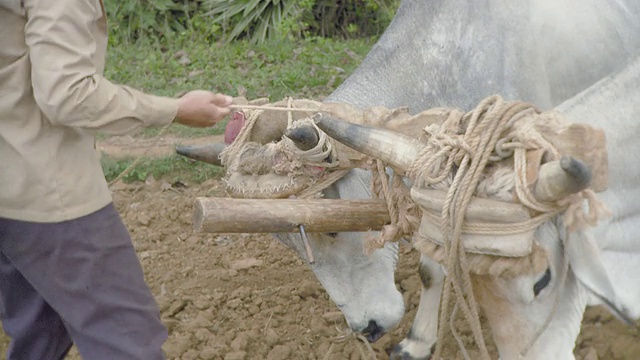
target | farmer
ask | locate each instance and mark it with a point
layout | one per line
(68, 270)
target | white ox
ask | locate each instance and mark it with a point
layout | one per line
(459, 52)
(453, 53)
(602, 264)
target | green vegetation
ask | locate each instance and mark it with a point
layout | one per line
(260, 20)
(256, 20)
(170, 168)
(305, 68)
(168, 47)
(309, 68)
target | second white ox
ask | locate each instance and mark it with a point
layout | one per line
(603, 261)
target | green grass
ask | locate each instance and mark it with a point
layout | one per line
(310, 68)
(274, 70)
(178, 130)
(169, 168)
(304, 69)
(185, 131)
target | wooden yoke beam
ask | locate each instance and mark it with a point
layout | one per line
(233, 215)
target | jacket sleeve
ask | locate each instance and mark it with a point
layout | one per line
(67, 81)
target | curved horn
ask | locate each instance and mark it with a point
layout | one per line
(561, 178)
(304, 136)
(205, 153)
(394, 148)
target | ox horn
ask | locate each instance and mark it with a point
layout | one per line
(205, 153)
(305, 137)
(561, 178)
(394, 148)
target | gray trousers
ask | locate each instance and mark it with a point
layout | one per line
(77, 281)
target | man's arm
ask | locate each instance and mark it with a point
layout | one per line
(66, 85)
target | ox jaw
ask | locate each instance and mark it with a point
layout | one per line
(362, 286)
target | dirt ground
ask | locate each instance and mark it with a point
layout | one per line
(246, 296)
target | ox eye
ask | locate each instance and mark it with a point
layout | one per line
(542, 283)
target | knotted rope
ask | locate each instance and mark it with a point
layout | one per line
(463, 146)
(482, 133)
(137, 159)
(297, 164)
(455, 157)
(403, 213)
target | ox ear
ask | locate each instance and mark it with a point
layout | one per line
(586, 264)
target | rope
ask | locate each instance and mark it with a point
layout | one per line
(137, 160)
(234, 149)
(403, 213)
(245, 132)
(482, 134)
(458, 152)
(324, 183)
(277, 108)
(255, 115)
(292, 160)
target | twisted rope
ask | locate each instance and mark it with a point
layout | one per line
(137, 160)
(403, 213)
(231, 152)
(487, 123)
(315, 157)
(456, 154)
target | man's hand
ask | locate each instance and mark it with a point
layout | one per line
(201, 108)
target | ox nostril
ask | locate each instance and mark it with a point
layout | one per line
(373, 332)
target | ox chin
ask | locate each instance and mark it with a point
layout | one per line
(374, 319)
(374, 327)
(362, 286)
(373, 332)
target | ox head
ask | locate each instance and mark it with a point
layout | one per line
(518, 306)
(362, 286)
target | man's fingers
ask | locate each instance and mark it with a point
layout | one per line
(222, 100)
(201, 108)
(221, 113)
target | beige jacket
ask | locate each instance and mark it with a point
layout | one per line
(53, 100)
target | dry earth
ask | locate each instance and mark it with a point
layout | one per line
(246, 296)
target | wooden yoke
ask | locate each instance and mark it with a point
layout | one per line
(232, 215)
